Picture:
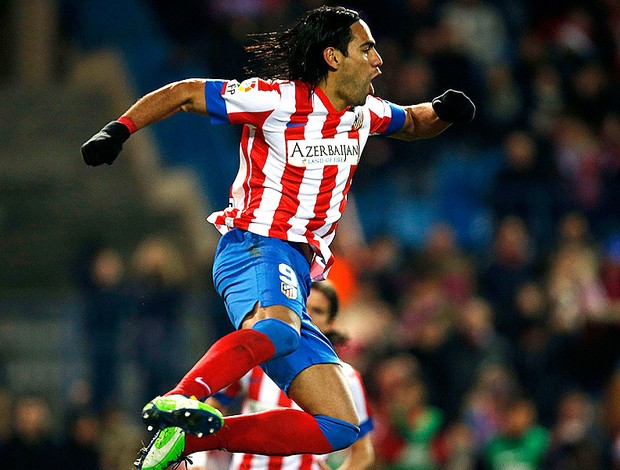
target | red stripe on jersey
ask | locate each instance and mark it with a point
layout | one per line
(253, 180)
(256, 175)
(268, 86)
(275, 463)
(306, 462)
(245, 137)
(233, 389)
(256, 118)
(328, 104)
(328, 183)
(246, 463)
(378, 124)
(256, 379)
(292, 176)
(354, 134)
(312, 240)
(284, 401)
(331, 123)
(330, 172)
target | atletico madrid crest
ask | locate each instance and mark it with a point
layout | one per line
(359, 118)
(288, 290)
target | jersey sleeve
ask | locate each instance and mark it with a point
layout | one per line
(248, 102)
(385, 118)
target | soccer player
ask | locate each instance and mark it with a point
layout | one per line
(260, 393)
(304, 130)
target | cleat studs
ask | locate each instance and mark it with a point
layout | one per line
(199, 434)
(150, 428)
(187, 414)
(211, 431)
(210, 419)
(146, 415)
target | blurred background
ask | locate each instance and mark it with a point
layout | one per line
(479, 272)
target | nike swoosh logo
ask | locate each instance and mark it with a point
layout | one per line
(202, 382)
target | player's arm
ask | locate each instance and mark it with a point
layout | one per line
(361, 455)
(430, 119)
(186, 95)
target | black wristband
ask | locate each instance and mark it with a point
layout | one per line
(454, 106)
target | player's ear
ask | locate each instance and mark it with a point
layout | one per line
(332, 57)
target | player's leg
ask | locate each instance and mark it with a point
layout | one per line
(313, 378)
(323, 389)
(328, 424)
(250, 271)
(268, 332)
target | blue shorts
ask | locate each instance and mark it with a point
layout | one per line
(250, 268)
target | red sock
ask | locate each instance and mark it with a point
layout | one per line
(283, 431)
(226, 361)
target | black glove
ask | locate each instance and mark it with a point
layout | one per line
(106, 144)
(454, 106)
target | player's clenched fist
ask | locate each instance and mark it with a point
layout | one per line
(454, 106)
(106, 144)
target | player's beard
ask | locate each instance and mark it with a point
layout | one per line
(356, 90)
(358, 98)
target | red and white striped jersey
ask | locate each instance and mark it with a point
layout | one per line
(297, 158)
(260, 393)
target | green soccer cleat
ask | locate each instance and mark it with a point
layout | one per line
(189, 414)
(166, 448)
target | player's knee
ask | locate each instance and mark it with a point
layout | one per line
(340, 434)
(285, 338)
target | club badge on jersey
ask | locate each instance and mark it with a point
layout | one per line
(359, 118)
(288, 280)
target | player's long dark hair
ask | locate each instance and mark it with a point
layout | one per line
(297, 53)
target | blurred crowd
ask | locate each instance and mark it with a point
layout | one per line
(484, 363)
(131, 315)
(490, 349)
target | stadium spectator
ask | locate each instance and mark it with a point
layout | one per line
(107, 303)
(520, 442)
(81, 448)
(31, 443)
(524, 188)
(510, 266)
(576, 440)
(159, 279)
(473, 345)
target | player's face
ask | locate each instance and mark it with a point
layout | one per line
(318, 309)
(360, 66)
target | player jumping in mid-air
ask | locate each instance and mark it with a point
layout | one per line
(303, 134)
